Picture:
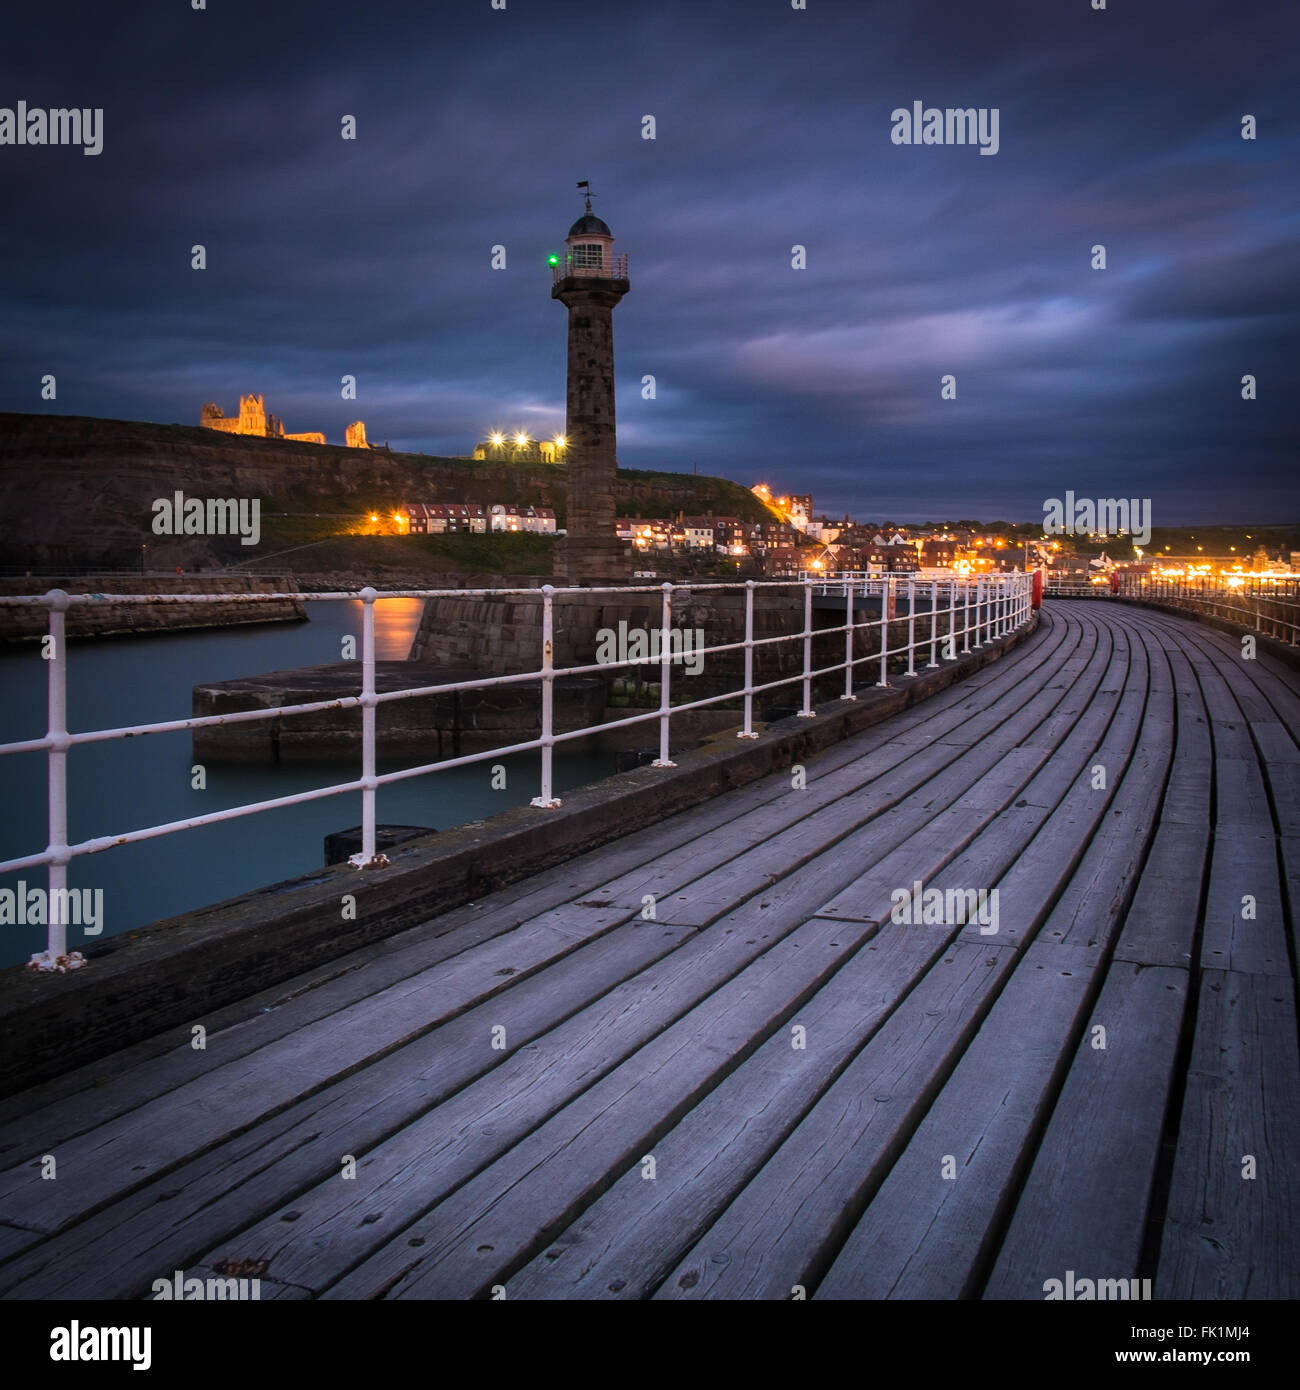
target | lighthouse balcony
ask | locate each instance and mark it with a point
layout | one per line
(606, 268)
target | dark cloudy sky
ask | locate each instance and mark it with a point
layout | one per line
(372, 257)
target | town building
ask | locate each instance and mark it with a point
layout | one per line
(538, 521)
(698, 531)
(441, 518)
(644, 533)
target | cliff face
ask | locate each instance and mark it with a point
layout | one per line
(78, 491)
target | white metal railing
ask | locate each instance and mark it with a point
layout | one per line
(615, 270)
(1268, 606)
(1075, 589)
(975, 611)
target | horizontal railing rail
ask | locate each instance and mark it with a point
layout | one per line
(972, 611)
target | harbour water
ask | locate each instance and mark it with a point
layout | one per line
(126, 784)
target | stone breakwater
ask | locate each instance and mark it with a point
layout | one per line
(432, 726)
(102, 617)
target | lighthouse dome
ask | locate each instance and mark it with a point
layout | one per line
(590, 225)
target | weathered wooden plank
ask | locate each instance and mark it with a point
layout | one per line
(109, 1161)
(1289, 851)
(1244, 925)
(781, 1230)
(1046, 786)
(1229, 1235)
(1084, 1204)
(1061, 837)
(925, 1235)
(912, 805)
(116, 1252)
(625, 1244)
(801, 834)
(14, 1239)
(1160, 925)
(540, 1137)
(1091, 908)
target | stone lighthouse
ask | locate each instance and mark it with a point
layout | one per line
(589, 283)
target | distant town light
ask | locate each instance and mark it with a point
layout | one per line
(373, 517)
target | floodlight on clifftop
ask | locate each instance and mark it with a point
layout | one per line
(521, 440)
(560, 441)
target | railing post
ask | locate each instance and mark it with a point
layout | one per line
(548, 799)
(665, 654)
(807, 712)
(911, 625)
(966, 623)
(56, 955)
(884, 630)
(934, 623)
(980, 615)
(748, 730)
(368, 858)
(848, 639)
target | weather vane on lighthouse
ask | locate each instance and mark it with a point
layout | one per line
(588, 194)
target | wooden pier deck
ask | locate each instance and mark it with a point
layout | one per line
(769, 1086)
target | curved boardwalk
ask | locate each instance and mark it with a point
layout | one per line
(1108, 1083)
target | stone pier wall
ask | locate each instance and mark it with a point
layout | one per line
(104, 618)
(426, 727)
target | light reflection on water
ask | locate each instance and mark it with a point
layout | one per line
(130, 783)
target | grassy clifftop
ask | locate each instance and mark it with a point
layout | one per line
(79, 491)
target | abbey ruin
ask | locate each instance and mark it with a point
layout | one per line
(253, 419)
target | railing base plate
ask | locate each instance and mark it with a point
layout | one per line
(45, 962)
(380, 861)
